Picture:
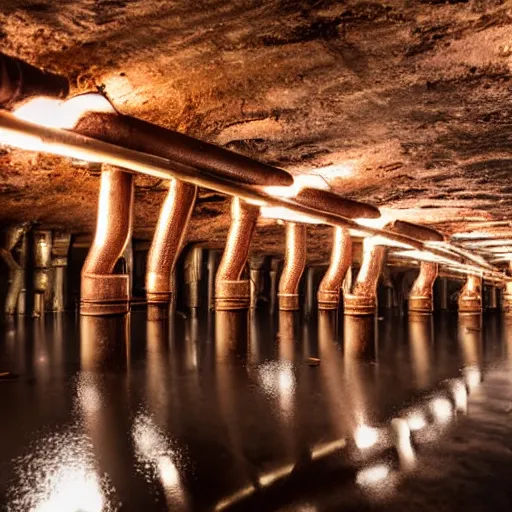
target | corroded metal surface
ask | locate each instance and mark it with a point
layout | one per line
(421, 300)
(294, 265)
(329, 292)
(230, 291)
(149, 138)
(170, 232)
(101, 291)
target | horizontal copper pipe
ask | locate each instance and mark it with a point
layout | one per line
(417, 231)
(20, 80)
(470, 297)
(101, 291)
(149, 138)
(329, 291)
(421, 294)
(294, 265)
(230, 291)
(95, 150)
(362, 300)
(168, 239)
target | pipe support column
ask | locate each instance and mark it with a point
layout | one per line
(421, 297)
(102, 292)
(470, 298)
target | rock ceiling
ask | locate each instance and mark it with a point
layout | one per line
(405, 104)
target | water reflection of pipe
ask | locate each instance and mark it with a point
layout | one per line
(294, 264)
(102, 292)
(231, 292)
(363, 299)
(420, 340)
(470, 339)
(421, 299)
(169, 234)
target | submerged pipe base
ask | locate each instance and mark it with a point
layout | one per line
(420, 306)
(356, 305)
(160, 311)
(232, 295)
(105, 294)
(328, 300)
(288, 301)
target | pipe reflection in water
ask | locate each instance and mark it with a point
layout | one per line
(294, 265)
(421, 330)
(470, 339)
(403, 443)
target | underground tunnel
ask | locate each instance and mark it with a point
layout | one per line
(255, 255)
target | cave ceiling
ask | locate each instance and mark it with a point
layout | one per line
(404, 104)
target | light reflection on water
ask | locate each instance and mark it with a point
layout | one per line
(247, 408)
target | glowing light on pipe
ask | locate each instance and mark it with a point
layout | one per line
(299, 182)
(284, 214)
(472, 235)
(403, 445)
(442, 409)
(373, 475)
(366, 437)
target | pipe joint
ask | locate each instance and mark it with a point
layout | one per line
(470, 298)
(232, 295)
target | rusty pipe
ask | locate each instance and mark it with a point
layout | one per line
(103, 292)
(421, 297)
(142, 136)
(470, 297)
(230, 291)
(363, 299)
(167, 241)
(294, 265)
(329, 291)
(20, 80)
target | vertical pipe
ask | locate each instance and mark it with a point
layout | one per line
(329, 292)
(274, 272)
(169, 235)
(421, 297)
(42, 264)
(102, 292)
(255, 272)
(193, 274)
(493, 297)
(232, 293)
(507, 299)
(212, 264)
(309, 302)
(59, 263)
(470, 298)
(443, 290)
(294, 264)
(363, 299)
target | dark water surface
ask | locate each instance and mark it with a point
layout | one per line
(230, 413)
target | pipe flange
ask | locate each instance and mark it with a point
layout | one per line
(470, 305)
(232, 295)
(105, 294)
(420, 306)
(288, 301)
(159, 298)
(356, 305)
(328, 300)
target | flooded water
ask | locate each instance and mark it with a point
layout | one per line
(256, 413)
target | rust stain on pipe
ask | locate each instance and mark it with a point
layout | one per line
(329, 291)
(142, 136)
(230, 292)
(294, 265)
(101, 291)
(167, 241)
(421, 300)
(362, 300)
(470, 297)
